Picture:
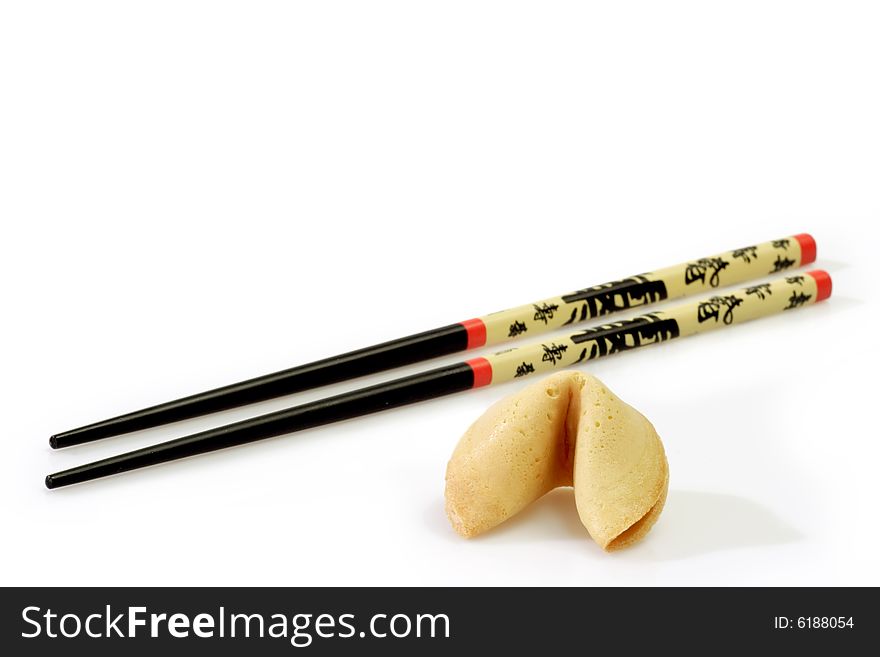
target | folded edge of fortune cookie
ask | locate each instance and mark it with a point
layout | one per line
(567, 429)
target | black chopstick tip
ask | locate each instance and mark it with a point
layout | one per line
(50, 482)
(53, 442)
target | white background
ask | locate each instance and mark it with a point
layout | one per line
(193, 193)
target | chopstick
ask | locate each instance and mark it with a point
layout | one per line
(777, 296)
(685, 279)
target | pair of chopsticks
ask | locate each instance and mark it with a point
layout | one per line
(686, 279)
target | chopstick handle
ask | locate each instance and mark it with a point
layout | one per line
(685, 319)
(675, 282)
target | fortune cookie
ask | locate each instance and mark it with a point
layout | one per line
(567, 429)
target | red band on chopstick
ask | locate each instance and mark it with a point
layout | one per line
(476, 332)
(482, 371)
(823, 283)
(808, 248)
